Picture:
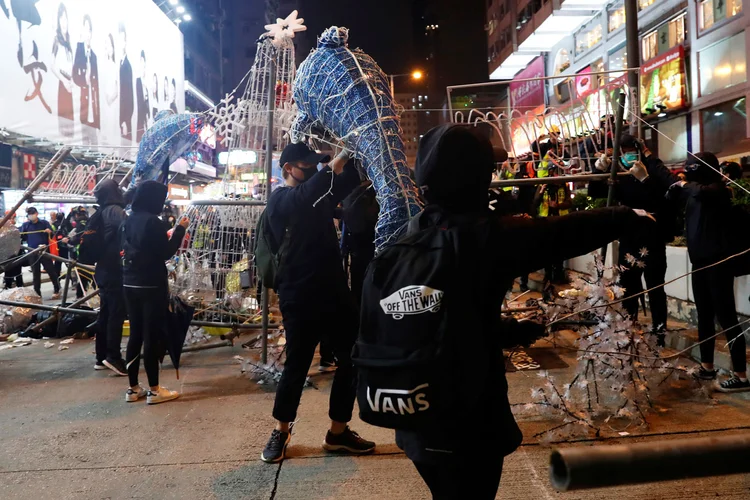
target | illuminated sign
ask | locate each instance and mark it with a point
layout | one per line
(177, 192)
(663, 82)
(529, 93)
(237, 157)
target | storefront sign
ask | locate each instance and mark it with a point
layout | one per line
(663, 82)
(584, 82)
(528, 94)
(89, 72)
(178, 192)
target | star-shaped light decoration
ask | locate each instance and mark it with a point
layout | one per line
(644, 252)
(285, 28)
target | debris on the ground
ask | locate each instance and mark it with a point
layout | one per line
(12, 337)
(17, 318)
(21, 342)
(62, 348)
(66, 341)
(48, 345)
(196, 335)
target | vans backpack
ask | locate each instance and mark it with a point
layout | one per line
(412, 315)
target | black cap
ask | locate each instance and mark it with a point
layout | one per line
(31, 210)
(300, 152)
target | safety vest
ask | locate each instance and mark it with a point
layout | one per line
(507, 175)
(561, 198)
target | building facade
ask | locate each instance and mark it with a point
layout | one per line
(693, 75)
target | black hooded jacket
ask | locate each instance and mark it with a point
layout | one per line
(708, 212)
(491, 251)
(144, 241)
(108, 218)
(648, 195)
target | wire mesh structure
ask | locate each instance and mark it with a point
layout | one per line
(215, 270)
(586, 123)
(71, 181)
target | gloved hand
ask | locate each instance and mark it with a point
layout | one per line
(673, 193)
(603, 164)
(530, 331)
(643, 213)
(639, 171)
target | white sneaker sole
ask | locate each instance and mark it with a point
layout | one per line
(99, 367)
(337, 448)
(156, 401)
(114, 369)
(133, 398)
(283, 452)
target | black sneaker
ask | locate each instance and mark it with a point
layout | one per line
(327, 366)
(117, 366)
(275, 450)
(348, 442)
(704, 374)
(734, 384)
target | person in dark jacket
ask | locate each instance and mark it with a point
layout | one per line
(450, 457)
(36, 232)
(145, 248)
(707, 206)
(360, 216)
(14, 271)
(648, 194)
(313, 293)
(108, 275)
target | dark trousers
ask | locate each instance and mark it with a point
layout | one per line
(112, 313)
(654, 272)
(452, 479)
(14, 273)
(305, 327)
(49, 266)
(360, 259)
(63, 249)
(147, 310)
(713, 290)
(555, 273)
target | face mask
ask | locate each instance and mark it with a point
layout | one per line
(307, 173)
(629, 159)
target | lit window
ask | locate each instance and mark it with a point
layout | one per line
(711, 12)
(616, 19)
(420, 98)
(589, 37)
(650, 46)
(643, 4)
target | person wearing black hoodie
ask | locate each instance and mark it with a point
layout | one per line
(647, 194)
(709, 227)
(314, 297)
(107, 221)
(450, 456)
(145, 248)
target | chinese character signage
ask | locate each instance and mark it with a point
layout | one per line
(529, 94)
(663, 82)
(93, 72)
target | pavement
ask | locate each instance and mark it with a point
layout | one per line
(67, 433)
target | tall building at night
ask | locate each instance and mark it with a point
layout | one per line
(693, 59)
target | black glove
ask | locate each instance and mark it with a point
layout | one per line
(529, 332)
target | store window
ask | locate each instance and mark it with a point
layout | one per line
(598, 67)
(644, 4)
(674, 150)
(711, 12)
(589, 37)
(618, 60)
(723, 64)
(723, 125)
(616, 18)
(666, 37)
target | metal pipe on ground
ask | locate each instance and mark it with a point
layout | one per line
(605, 466)
(56, 309)
(75, 263)
(203, 347)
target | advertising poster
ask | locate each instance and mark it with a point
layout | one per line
(91, 72)
(584, 82)
(527, 88)
(663, 82)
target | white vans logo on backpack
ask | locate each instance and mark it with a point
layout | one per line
(399, 401)
(414, 299)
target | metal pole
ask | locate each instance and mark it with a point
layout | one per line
(615, 465)
(64, 295)
(51, 165)
(62, 259)
(634, 61)
(534, 181)
(265, 296)
(55, 309)
(614, 168)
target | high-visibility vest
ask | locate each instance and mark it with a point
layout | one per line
(507, 175)
(544, 205)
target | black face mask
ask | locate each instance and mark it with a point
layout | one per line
(307, 174)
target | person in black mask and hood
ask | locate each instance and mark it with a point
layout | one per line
(449, 456)
(313, 293)
(145, 248)
(709, 230)
(100, 245)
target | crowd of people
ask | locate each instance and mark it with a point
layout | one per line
(328, 277)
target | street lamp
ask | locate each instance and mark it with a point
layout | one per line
(415, 75)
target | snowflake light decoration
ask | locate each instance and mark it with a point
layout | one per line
(285, 28)
(227, 118)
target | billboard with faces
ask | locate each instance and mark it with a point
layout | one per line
(91, 72)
